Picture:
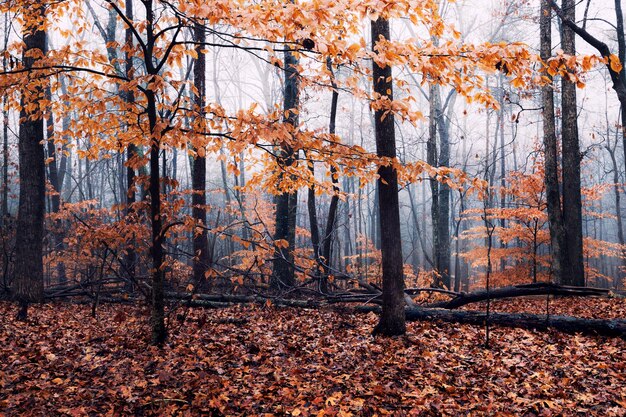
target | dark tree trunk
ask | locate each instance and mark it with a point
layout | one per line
(198, 179)
(392, 318)
(329, 231)
(566, 324)
(5, 134)
(157, 250)
(56, 239)
(443, 221)
(313, 223)
(457, 258)
(621, 52)
(53, 174)
(572, 201)
(553, 194)
(286, 202)
(431, 150)
(501, 115)
(440, 206)
(5, 162)
(158, 306)
(131, 151)
(32, 197)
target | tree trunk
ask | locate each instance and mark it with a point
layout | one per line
(566, 324)
(56, 239)
(457, 258)
(32, 197)
(286, 203)
(52, 165)
(5, 134)
(501, 115)
(443, 221)
(313, 223)
(432, 160)
(157, 311)
(572, 200)
(329, 231)
(621, 45)
(5, 161)
(392, 318)
(553, 194)
(131, 151)
(198, 177)
(541, 288)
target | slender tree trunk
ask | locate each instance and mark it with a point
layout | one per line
(313, 223)
(52, 165)
(553, 194)
(621, 44)
(131, 151)
(418, 231)
(287, 202)
(5, 134)
(56, 239)
(32, 197)
(572, 200)
(432, 160)
(618, 205)
(228, 200)
(443, 221)
(331, 221)
(501, 116)
(440, 193)
(375, 220)
(457, 258)
(157, 312)
(5, 162)
(392, 318)
(198, 177)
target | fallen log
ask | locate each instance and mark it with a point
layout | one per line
(566, 324)
(224, 300)
(415, 291)
(518, 291)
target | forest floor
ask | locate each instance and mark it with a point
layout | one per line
(253, 360)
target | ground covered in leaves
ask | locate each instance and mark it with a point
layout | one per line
(268, 361)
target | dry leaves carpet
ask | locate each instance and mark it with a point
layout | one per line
(268, 361)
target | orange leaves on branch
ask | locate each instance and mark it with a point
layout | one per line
(615, 63)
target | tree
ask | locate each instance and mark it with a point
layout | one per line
(32, 198)
(287, 199)
(439, 156)
(392, 318)
(524, 232)
(201, 237)
(572, 200)
(331, 221)
(551, 177)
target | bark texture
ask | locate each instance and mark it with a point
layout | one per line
(392, 318)
(551, 178)
(198, 179)
(286, 202)
(572, 200)
(32, 197)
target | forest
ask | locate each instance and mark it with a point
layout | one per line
(312, 207)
